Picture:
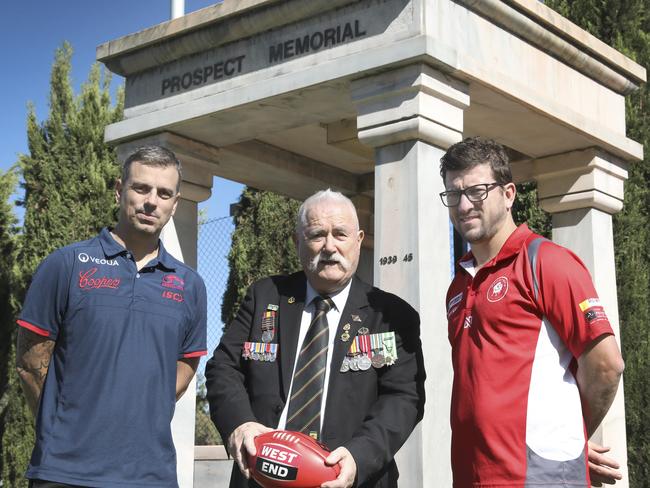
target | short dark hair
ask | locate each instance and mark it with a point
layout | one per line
(475, 151)
(152, 156)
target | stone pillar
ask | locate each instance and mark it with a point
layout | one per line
(582, 189)
(410, 115)
(179, 237)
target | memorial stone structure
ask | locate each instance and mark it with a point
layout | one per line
(364, 96)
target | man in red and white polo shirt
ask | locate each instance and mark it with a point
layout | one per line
(536, 365)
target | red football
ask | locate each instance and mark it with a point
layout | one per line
(290, 459)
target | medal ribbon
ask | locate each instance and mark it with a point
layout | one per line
(354, 347)
(365, 345)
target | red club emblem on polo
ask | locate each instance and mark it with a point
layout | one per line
(173, 281)
(498, 289)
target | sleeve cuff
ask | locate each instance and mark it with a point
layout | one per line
(595, 334)
(194, 354)
(35, 329)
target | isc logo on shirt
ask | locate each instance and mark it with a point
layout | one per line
(170, 295)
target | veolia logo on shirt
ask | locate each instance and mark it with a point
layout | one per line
(498, 289)
(84, 258)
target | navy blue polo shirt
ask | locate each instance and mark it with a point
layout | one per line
(110, 392)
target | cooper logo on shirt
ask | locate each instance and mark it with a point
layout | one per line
(87, 279)
(498, 289)
(173, 281)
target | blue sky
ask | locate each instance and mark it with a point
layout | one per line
(30, 32)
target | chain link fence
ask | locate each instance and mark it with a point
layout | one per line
(213, 248)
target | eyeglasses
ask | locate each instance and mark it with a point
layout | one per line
(474, 193)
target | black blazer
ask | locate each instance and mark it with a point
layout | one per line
(370, 412)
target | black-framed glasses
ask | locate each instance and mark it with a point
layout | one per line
(474, 193)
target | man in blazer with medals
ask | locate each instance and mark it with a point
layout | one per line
(323, 353)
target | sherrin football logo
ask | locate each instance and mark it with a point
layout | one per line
(278, 462)
(498, 289)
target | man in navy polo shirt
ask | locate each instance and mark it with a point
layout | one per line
(110, 336)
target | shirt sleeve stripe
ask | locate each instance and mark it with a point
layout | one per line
(195, 354)
(34, 329)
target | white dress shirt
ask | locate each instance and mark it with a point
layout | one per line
(333, 318)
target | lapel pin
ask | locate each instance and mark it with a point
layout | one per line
(346, 327)
(356, 318)
(272, 307)
(363, 331)
(345, 337)
(291, 300)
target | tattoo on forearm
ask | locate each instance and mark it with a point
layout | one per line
(33, 353)
(38, 371)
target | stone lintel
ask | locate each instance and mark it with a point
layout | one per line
(546, 32)
(580, 179)
(215, 25)
(409, 103)
(344, 135)
(269, 167)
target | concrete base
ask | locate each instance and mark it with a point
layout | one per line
(212, 474)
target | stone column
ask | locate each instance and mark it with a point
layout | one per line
(410, 115)
(179, 237)
(582, 189)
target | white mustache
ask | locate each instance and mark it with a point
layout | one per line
(336, 257)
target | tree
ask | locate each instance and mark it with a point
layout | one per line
(8, 232)
(262, 244)
(526, 209)
(625, 25)
(69, 171)
(67, 178)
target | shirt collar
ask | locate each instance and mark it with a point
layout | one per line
(113, 248)
(164, 258)
(109, 245)
(511, 247)
(339, 298)
(513, 243)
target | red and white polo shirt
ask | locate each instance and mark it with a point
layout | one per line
(516, 327)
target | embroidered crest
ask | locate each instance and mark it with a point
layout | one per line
(498, 289)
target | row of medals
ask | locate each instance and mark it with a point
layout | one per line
(360, 358)
(354, 361)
